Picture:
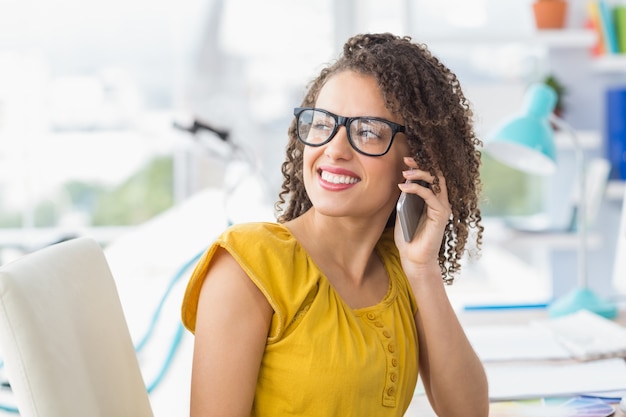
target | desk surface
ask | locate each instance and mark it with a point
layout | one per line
(420, 406)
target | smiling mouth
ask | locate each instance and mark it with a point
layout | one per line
(338, 179)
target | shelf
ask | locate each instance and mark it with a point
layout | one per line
(565, 38)
(553, 38)
(610, 64)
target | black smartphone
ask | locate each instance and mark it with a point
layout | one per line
(410, 208)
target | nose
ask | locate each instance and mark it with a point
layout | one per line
(339, 146)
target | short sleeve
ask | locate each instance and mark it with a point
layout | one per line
(272, 259)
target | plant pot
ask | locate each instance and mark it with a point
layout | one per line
(550, 14)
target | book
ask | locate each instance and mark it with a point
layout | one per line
(619, 21)
(595, 24)
(608, 26)
(615, 148)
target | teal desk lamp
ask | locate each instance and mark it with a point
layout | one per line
(526, 142)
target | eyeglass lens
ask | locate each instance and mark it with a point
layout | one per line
(366, 135)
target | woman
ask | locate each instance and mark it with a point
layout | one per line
(330, 312)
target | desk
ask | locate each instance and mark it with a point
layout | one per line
(420, 406)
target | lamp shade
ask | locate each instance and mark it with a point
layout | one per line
(526, 141)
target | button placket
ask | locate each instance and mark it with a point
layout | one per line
(385, 336)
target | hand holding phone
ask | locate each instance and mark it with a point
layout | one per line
(410, 208)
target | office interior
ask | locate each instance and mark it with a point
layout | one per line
(98, 102)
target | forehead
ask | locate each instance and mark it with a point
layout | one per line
(352, 94)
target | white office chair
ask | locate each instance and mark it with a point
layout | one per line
(64, 337)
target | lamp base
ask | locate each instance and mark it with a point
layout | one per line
(582, 299)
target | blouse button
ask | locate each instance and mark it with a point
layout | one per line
(378, 324)
(371, 316)
(393, 377)
(391, 348)
(394, 362)
(391, 391)
(386, 334)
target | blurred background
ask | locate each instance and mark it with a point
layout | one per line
(97, 99)
(89, 92)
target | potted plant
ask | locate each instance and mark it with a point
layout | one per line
(552, 81)
(550, 14)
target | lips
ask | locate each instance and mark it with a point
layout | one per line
(338, 178)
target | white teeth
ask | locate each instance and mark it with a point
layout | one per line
(338, 179)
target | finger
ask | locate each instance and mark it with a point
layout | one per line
(414, 181)
(414, 173)
(443, 194)
(417, 185)
(410, 162)
(418, 176)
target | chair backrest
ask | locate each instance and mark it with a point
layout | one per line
(64, 337)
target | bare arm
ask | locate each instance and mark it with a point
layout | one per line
(453, 376)
(232, 325)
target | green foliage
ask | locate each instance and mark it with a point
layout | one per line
(83, 196)
(47, 213)
(141, 197)
(507, 191)
(10, 219)
(559, 89)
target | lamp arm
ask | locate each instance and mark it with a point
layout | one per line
(581, 211)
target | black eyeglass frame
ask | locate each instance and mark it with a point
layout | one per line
(346, 122)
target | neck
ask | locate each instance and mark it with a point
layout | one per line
(339, 244)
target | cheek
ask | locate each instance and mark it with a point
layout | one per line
(309, 156)
(391, 176)
(399, 167)
(402, 152)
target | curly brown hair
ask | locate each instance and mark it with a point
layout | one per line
(439, 128)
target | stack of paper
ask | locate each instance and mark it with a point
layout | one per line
(521, 342)
(587, 335)
(578, 354)
(518, 381)
(581, 336)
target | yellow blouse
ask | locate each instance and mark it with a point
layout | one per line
(322, 358)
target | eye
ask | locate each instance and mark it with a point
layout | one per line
(368, 130)
(322, 122)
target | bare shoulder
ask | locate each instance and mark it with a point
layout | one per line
(233, 320)
(227, 290)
